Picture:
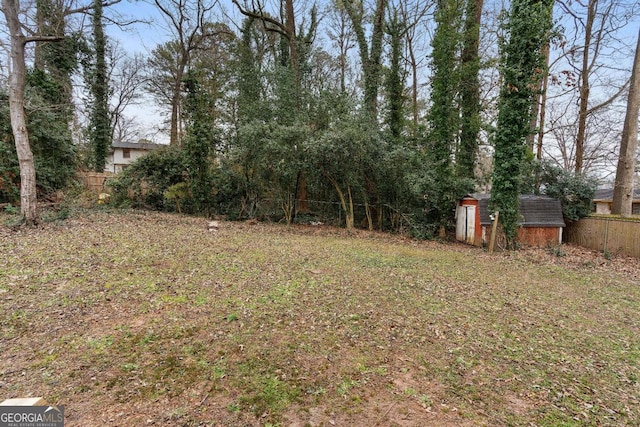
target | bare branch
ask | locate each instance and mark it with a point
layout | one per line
(280, 27)
(88, 8)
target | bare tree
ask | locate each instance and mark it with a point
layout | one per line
(623, 189)
(127, 77)
(340, 34)
(186, 21)
(596, 25)
(413, 14)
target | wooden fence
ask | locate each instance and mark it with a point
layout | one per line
(94, 181)
(615, 236)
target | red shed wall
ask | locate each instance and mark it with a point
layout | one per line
(539, 236)
(533, 236)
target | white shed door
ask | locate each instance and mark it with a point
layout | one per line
(465, 224)
(471, 224)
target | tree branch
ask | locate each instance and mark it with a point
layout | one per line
(610, 100)
(32, 39)
(280, 28)
(89, 7)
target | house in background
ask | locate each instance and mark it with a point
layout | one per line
(603, 199)
(124, 153)
(541, 220)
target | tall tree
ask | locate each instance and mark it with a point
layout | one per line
(540, 108)
(623, 189)
(186, 21)
(469, 91)
(592, 62)
(341, 36)
(126, 81)
(444, 115)
(412, 14)
(528, 27)
(394, 82)
(370, 52)
(99, 126)
(17, 78)
(199, 142)
(28, 197)
(295, 51)
(248, 80)
(50, 93)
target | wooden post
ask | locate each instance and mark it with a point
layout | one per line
(606, 236)
(494, 229)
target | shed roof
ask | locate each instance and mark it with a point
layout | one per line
(535, 211)
(606, 194)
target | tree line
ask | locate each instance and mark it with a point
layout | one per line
(290, 104)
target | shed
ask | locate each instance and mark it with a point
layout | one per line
(541, 221)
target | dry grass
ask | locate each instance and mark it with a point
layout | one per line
(148, 319)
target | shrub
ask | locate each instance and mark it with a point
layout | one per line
(575, 191)
(144, 182)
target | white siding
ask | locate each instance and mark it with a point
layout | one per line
(116, 162)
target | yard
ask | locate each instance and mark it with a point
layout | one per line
(145, 319)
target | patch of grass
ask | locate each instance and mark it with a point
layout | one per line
(12, 210)
(261, 324)
(269, 395)
(100, 344)
(346, 386)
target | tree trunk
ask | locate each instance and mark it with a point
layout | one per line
(536, 108)
(174, 134)
(584, 88)
(623, 189)
(347, 205)
(543, 104)
(294, 56)
(28, 199)
(414, 84)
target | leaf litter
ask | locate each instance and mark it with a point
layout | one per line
(142, 318)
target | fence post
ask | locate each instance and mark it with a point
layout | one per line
(606, 235)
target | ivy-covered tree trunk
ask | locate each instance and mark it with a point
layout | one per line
(50, 81)
(394, 82)
(198, 143)
(248, 82)
(469, 91)
(529, 25)
(370, 56)
(100, 124)
(444, 114)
